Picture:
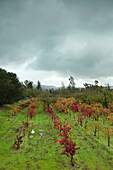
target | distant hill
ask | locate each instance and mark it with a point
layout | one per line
(111, 87)
(46, 87)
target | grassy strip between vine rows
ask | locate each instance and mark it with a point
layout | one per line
(40, 150)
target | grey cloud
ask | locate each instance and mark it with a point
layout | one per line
(94, 60)
(39, 28)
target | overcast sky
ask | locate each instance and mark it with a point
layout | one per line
(51, 40)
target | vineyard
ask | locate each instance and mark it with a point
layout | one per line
(56, 133)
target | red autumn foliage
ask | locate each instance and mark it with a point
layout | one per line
(105, 112)
(22, 106)
(31, 112)
(67, 143)
(26, 124)
(17, 142)
(50, 110)
(75, 108)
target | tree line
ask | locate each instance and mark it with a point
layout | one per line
(11, 90)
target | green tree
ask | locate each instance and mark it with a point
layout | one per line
(69, 87)
(72, 83)
(88, 86)
(51, 90)
(96, 83)
(11, 89)
(39, 85)
(28, 84)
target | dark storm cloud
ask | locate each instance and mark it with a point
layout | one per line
(95, 59)
(66, 36)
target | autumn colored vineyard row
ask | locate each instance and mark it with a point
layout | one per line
(66, 142)
(32, 110)
(95, 119)
(101, 118)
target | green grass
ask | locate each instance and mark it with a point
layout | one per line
(43, 152)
